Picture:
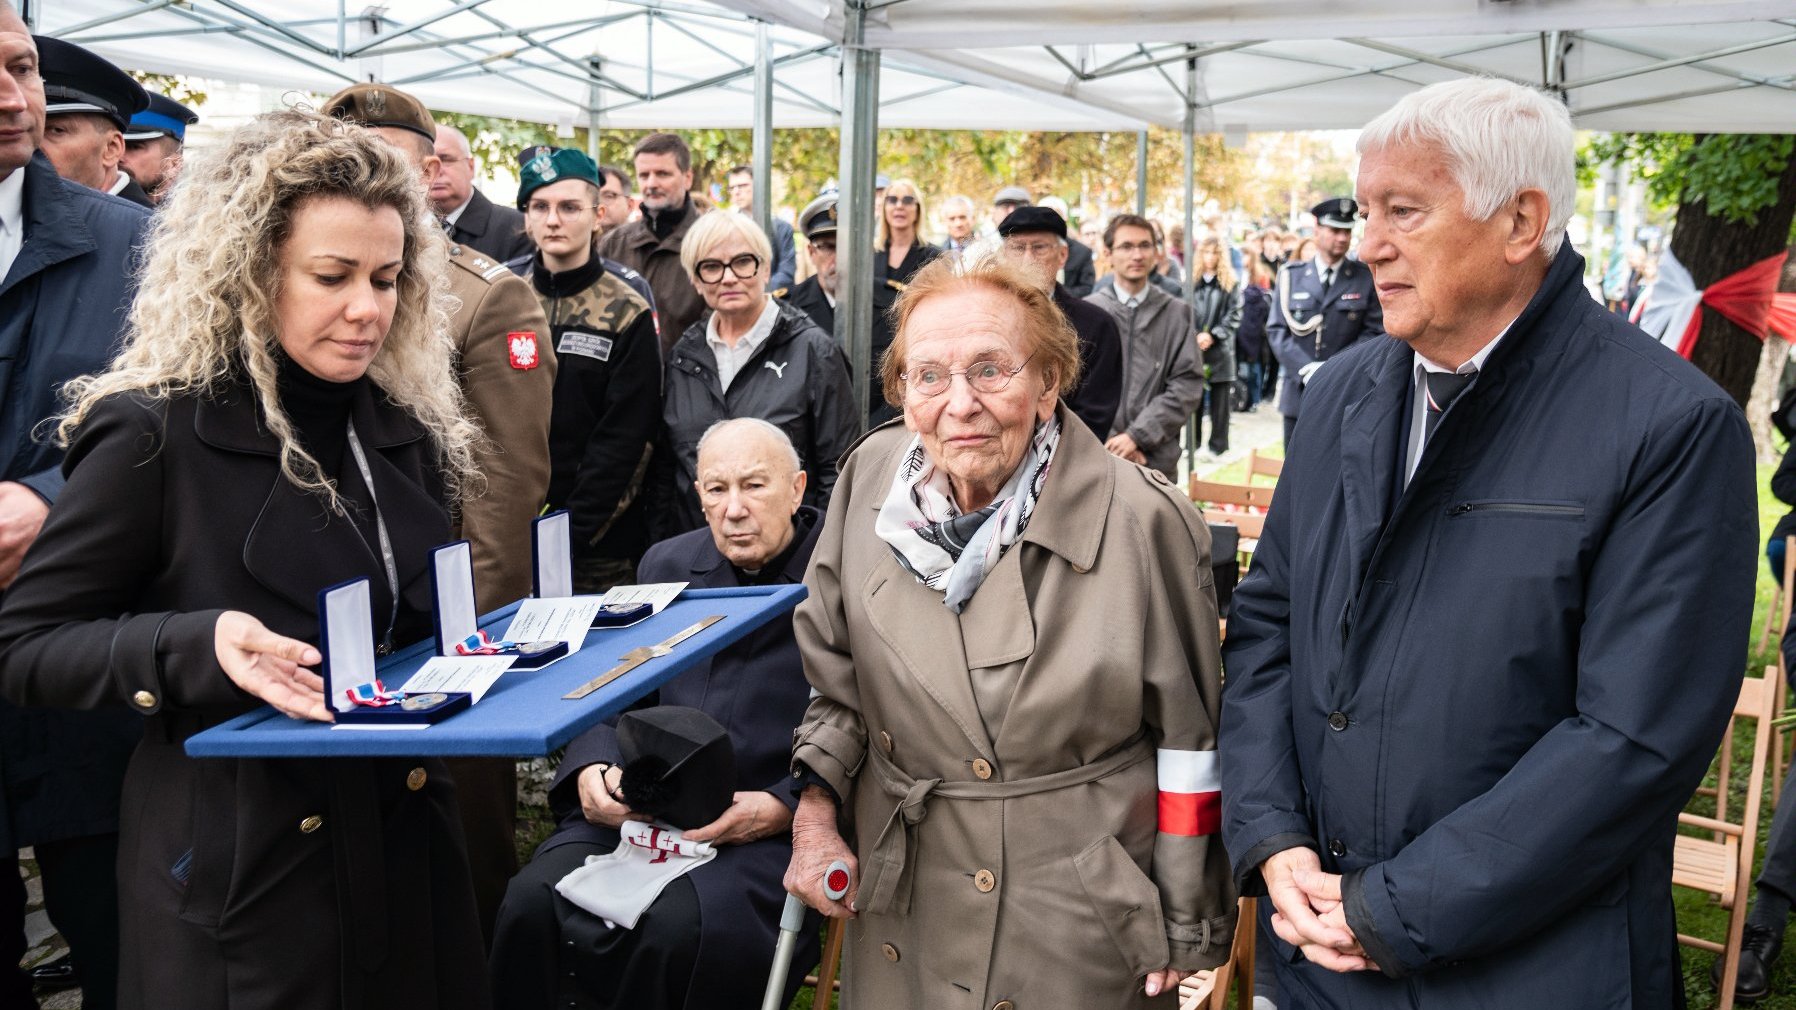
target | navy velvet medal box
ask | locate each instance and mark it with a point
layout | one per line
(524, 714)
(346, 641)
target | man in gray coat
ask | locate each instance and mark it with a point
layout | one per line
(1163, 377)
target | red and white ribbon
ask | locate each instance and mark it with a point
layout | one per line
(1190, 792)
(1671, 307)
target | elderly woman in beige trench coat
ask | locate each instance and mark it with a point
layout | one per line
(1012, 638)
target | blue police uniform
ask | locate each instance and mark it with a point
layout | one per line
(1309, 322)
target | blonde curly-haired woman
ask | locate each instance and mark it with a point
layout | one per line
(282, 418)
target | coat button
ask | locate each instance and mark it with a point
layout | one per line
(1004, 1004)
(1337, 848)
(982, 768)
(311, 824)
(144, 699)
(985, 881)
(885, 740)
(415, 781)
(1337, 721)
(889, 951)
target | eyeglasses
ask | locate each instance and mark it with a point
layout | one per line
(984, 376)
(1133, 247)
(566, 208)
(1033, 250)
(900, 200)
(744, 267)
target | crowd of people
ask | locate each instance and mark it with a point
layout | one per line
(1463, 706)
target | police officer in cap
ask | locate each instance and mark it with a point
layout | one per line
(153, 145)
(88, 104)
(1320, 306)
(816, 295)
(507, 370)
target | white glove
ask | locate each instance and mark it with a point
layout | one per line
(1304, 373)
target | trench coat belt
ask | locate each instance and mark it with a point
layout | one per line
(886, 879)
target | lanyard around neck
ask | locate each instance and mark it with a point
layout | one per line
(380, 527)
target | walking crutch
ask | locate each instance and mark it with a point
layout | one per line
(835, 885)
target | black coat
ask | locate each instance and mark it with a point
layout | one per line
(491, 229)
(1783, 485)
(1250, 338)
(797, 380)
(1081, 270)
(175, 511)
(62, 311)
(1218, 313)
(888, 284)
(808, 295)
(1100, 387)
(756, 689)
(1485, 697)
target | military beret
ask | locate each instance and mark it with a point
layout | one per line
(382, 105)
(818, 217)
(1337, 212)
(1032, 219)
(554, 164)
(76, 80)
(164, 118)
(1013, 194)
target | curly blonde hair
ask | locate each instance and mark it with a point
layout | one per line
(205, 310)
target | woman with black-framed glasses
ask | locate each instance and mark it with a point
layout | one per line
(750, 355)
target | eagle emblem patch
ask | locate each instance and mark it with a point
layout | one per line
(522, 346)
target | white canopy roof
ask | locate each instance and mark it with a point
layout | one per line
(1672, 65)
(670, 65)
(1064, 64)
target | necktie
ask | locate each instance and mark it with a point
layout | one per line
(1328, 277)
(1443, 389)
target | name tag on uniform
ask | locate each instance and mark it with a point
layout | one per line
(1299, 296)
(589, 344)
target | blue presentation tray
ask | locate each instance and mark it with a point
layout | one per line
(523, 715)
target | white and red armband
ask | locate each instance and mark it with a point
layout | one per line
(1190, 792)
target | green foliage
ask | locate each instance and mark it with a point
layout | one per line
(1735, 175)
(182, 89)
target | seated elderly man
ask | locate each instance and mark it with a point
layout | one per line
(707, 941)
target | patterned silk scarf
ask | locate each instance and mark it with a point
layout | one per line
(949, 551)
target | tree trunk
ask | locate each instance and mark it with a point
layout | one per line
(1712, 248)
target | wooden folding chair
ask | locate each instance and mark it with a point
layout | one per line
(1722, 865)
(1263, 466)
(1209, 990)
(1211, 494)
(825, 981)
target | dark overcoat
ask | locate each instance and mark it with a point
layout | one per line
(1216, 310)
(756, 690)
(62, 309)
(1485, 697)
(494, 230)
(1348, 308)
(297, 884)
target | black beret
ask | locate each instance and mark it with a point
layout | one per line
(679, 765)
(1032, 219)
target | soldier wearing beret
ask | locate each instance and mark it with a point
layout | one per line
(153, 145)
(88, 105)
(817, 294)
(1320, 306)
(607, 401)
(507, 373)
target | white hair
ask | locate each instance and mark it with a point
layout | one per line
(957, 201)
(766, 428)
(1499, 138)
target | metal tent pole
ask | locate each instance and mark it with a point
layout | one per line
(763, 133)
(1190, 130)
(595, 105)
(854, 248)
(1141, 173)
